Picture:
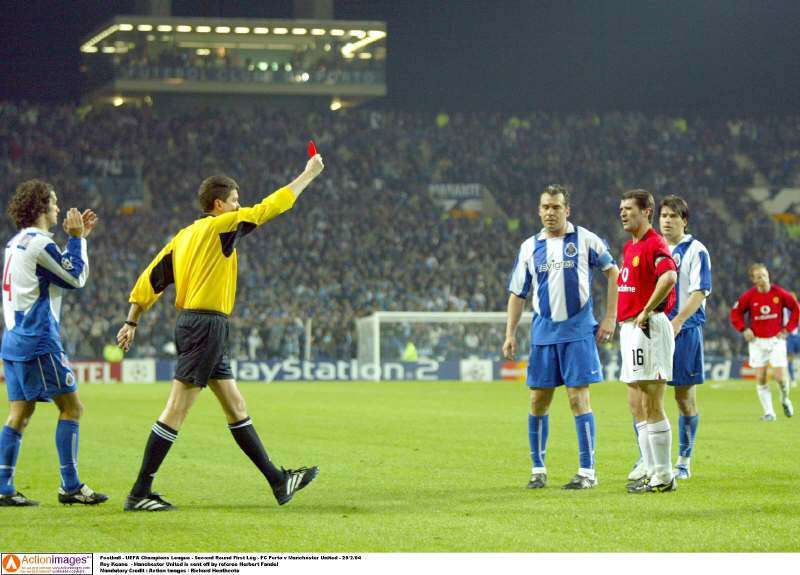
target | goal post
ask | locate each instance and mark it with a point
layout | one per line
(436, 335)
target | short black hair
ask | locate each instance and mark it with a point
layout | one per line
(678, 205)
(215, 188)
(644, 200)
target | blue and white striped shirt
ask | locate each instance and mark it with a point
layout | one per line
(694, 274)
(560, 272)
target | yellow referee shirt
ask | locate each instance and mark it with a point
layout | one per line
(201, 259)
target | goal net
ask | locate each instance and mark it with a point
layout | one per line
(440, 336)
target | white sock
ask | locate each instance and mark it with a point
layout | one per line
(765, 397)
(586, 473)
(660, 435)
(684, 461)
(644, 446)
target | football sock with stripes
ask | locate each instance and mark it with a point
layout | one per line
(248, 441)
(687, 430)
(642, 436)
(538, 429)
(10, 440)
(765, 397)
(584, 426)
(67, 432)
(161, 438)
(660, 436)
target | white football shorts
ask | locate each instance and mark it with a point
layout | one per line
(647, 358)
(768, 351)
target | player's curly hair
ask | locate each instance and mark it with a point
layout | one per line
(30, 200)
(215, 188)
(556, 189)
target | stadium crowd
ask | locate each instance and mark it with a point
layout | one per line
(367, 236)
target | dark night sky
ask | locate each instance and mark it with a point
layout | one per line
(493, 55)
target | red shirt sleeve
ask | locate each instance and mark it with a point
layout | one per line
(790, 303)
(737, 311)
(662, 255)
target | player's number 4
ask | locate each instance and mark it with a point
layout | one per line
(7, 279)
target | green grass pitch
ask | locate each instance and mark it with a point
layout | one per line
(410, 467)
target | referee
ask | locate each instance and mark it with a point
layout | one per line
(201, 261)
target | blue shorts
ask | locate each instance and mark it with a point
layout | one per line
(793, 344)
(573, 363)
(688, 360)
(39, 379)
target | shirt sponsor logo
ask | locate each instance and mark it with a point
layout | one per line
(766, 317)
(554, 265)
(627, 289)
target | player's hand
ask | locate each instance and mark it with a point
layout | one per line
(73, 223)
(314, 166)
(783, 334)
(748, 335)
(642, 320)
(125, 337)
(509, 348)
(605, 330)
(677, 325)
(89, 222)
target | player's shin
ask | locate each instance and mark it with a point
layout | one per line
(642, 437)
(67, 433)
(585, 428)
(660, 436)
(250, 443)
(765, 397)
(161, 439)
(10, 440)
(538, 429)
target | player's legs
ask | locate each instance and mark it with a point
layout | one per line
(764, 394)
(163, 434)
(778, 359)
(781, 375)
(643, 467)
(688, 422)
(539, 428)
(580, 404)
(543, 377)
(19, 415)
(658, 431)
(241, 426)
(70, 410)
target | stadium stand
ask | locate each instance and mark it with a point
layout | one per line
(368, 237)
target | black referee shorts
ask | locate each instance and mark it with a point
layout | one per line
(201, 339)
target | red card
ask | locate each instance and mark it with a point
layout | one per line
(312, 149)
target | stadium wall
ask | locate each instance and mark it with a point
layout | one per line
(717, 368)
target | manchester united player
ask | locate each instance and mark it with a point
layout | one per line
(766, 335)
(647, 342)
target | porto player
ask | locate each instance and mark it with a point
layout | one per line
(647, 342)
(766, 335)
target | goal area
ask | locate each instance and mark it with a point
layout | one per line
(392, 336)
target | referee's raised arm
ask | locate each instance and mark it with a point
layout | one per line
(274, 204)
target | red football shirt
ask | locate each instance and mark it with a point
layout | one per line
(639, 275)
(765, 311)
